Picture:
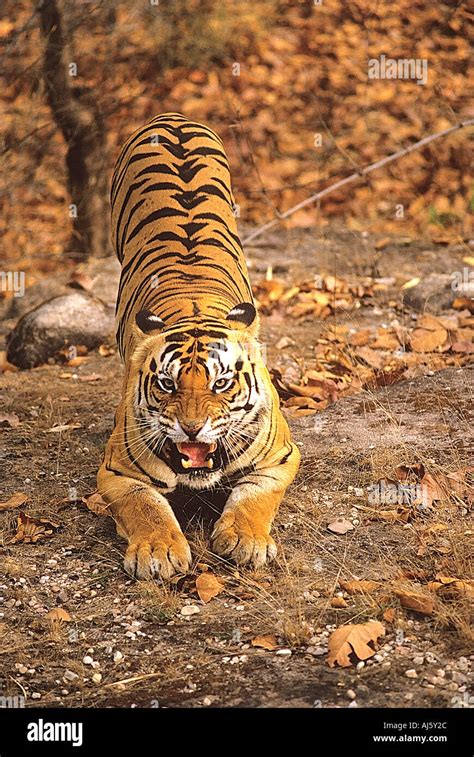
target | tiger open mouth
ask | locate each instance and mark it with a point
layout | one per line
(196, 458)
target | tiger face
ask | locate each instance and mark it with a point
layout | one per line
(199, 396)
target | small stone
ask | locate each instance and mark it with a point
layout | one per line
(459, 677)
(418, 660)
(118, 655)
(189, 610)
(409, 696)
(36, 695)
(411, 673)
(360, 665)
(64, 692)
(87, 660)
(353, 704)
(21, 668)
(97, 677)
(69, 676)
(378, 658)
(351, 693)
(284, 652)
(207, 701)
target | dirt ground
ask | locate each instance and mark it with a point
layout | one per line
(129, 644)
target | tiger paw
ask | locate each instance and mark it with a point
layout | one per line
(243, 541)
(157, 554)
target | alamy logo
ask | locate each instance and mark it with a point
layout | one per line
(398, 68)
(41, 731)
(13, 281)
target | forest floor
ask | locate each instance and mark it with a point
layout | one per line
(126, 643)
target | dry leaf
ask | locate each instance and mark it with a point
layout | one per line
(16, 500)
(353, 639)
(58, 614)
(96, 504)
(390, 615)
(30, 530)
(63, 427)
(359, 587)
(208, 586)
(412, 600)
(9, 420)
(338, 602)
(411, 283)
(267, 641)
(105, 350)
(91, 377)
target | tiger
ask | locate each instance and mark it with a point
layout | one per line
(198, 412)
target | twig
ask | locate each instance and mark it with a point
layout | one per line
(356, 175)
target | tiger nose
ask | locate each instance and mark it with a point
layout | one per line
(192, 430)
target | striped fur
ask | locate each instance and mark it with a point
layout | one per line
(198, 411)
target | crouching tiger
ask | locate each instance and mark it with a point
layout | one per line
(198, 412)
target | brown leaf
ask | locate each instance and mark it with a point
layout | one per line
(63, 427)
(412, 600)
(338, 602)
(58, 614)
(9, 420)
(105, 350)
(359, 587)
(370, 357)
(208, 586)
(353, 639)
(30, 530)
(267, 641)
(340, 526)
(96, 504)
(390, 615)
(16, 500)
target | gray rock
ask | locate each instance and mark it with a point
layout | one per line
(433, 294)
(71, 319)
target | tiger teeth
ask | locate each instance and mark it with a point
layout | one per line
(210, 463)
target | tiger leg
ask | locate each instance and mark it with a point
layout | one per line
(242, 533)
(156, 545)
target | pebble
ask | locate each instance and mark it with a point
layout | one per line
(207, 701)
(21, 668)
(459, 677)
(353, 704)
(409, 696)
(419, 660)
(36, 695)
(87, 660)
(97, 677)
(69, 675)
(411, 673)
(118, 655)
(189, 610)
(317, 651)
(284, 652)
(360, 665)
(351, 693)
(378, 658)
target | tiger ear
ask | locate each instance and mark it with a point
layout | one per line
(148, 321)
(243, 315)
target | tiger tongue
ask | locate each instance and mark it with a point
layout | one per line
(196, 453)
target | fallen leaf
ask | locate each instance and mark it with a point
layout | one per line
(390, 615)
(9, 419)
(353, 639)
(266, 641)
(338, 602)
(16, 500)
(63, 427)
(30, 530)
(79, 360)
(91, 377)
(340, 526)
(411, 283)
(412, 600)
(359, 587)
(58, 614)
(95, 503)
(208, 586)
(105, 350)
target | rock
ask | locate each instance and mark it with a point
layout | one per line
(432, 295)
(351, 693)
(87, 660)
(189, 610)
(71, 319)
(118, 656)
(97, 677)
(35, 296)
(284, 652)
(70, 676)
(411, 673)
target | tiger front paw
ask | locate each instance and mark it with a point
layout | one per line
(158, 554)
(242, 540)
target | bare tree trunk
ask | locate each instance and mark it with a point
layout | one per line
(77, 116)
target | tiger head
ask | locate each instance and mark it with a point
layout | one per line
(199, 396)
